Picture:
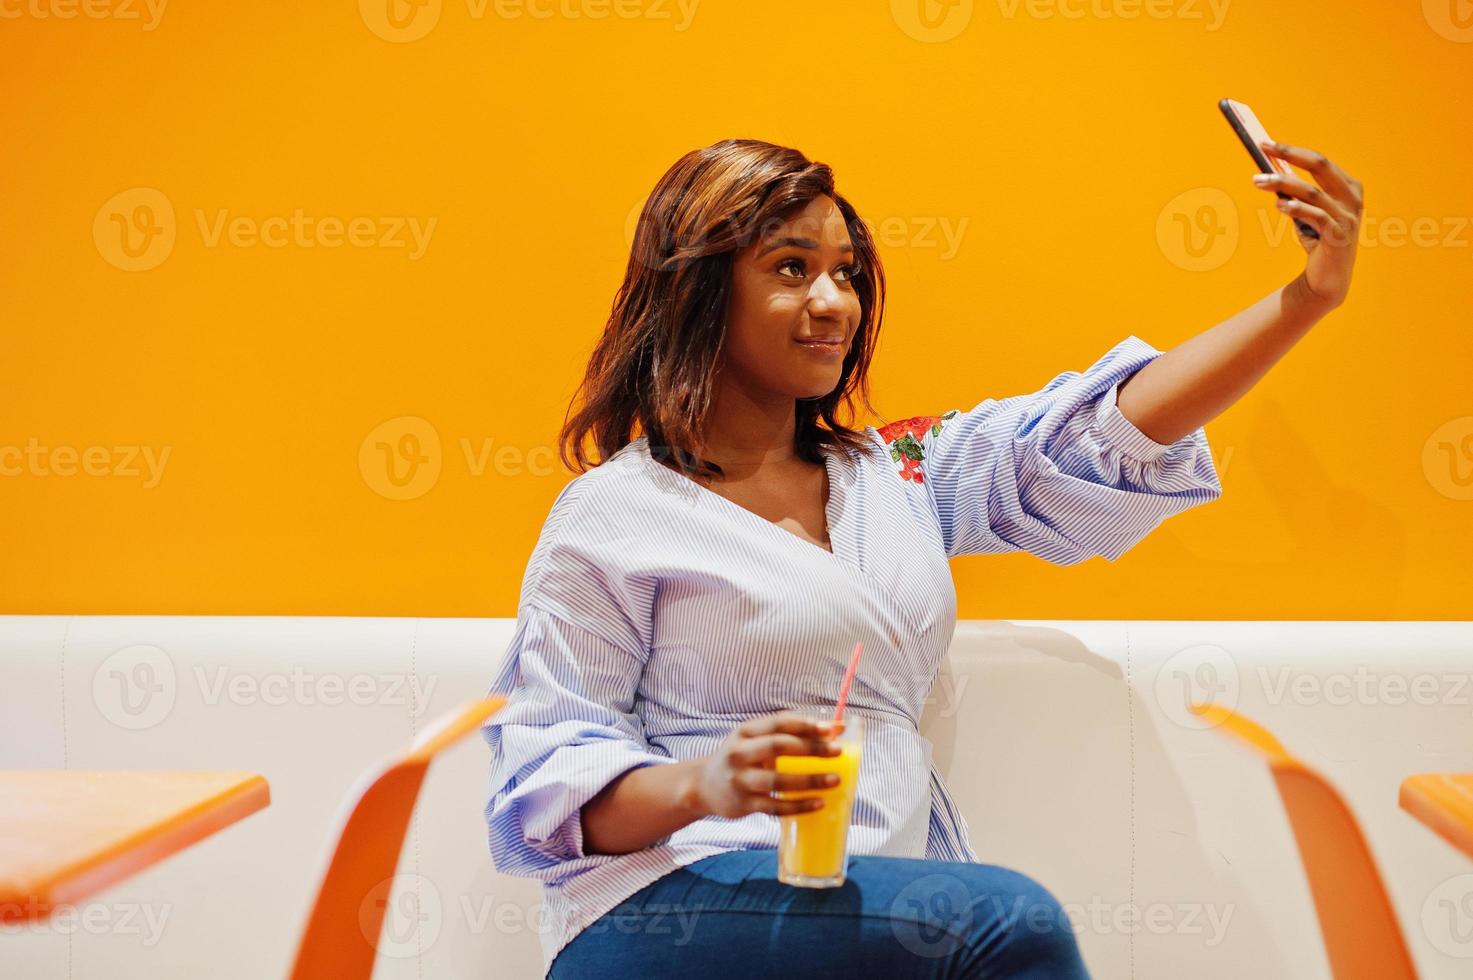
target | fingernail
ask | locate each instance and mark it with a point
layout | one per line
(1261, 179)
(832, 779)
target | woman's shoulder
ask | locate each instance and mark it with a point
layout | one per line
(895, 450)
(599, 500)
(589, 549)
(905, 441)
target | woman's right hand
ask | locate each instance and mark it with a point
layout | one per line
(741, 776)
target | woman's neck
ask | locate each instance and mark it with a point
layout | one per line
(748, 430)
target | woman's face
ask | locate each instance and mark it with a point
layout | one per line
(793, 285)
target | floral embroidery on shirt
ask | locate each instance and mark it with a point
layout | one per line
(905, 439)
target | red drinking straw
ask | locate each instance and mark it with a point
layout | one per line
(844, 687)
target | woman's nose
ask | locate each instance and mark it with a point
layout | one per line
(825, 294)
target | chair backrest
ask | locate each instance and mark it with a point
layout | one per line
(342, 931)
(1359, 926)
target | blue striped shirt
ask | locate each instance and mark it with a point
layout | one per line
(656, 615)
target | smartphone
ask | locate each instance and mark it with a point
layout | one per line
(1251, 132)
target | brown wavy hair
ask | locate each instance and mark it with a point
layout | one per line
(655, 363)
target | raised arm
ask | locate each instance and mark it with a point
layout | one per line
(1194, 382)
(1060, 473)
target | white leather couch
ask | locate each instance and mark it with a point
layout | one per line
(1067, 743)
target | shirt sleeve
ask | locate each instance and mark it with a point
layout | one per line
(1059, 473)
(567, 730)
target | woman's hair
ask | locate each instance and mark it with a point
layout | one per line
(655, 363)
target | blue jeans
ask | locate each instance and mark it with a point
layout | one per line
(728, 916)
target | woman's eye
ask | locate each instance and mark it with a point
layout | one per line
(845, 273)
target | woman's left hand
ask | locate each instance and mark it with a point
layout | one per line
(1333, 209)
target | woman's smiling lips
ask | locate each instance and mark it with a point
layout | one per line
(829, 346)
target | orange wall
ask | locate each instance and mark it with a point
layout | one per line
(1063, 155)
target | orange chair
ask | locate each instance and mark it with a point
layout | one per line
(336, 942)
(1357, 922)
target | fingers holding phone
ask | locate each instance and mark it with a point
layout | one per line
(1332, 208)
(1327, 213)
(1255, 138)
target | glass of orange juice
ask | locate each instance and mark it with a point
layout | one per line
(813, 847)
